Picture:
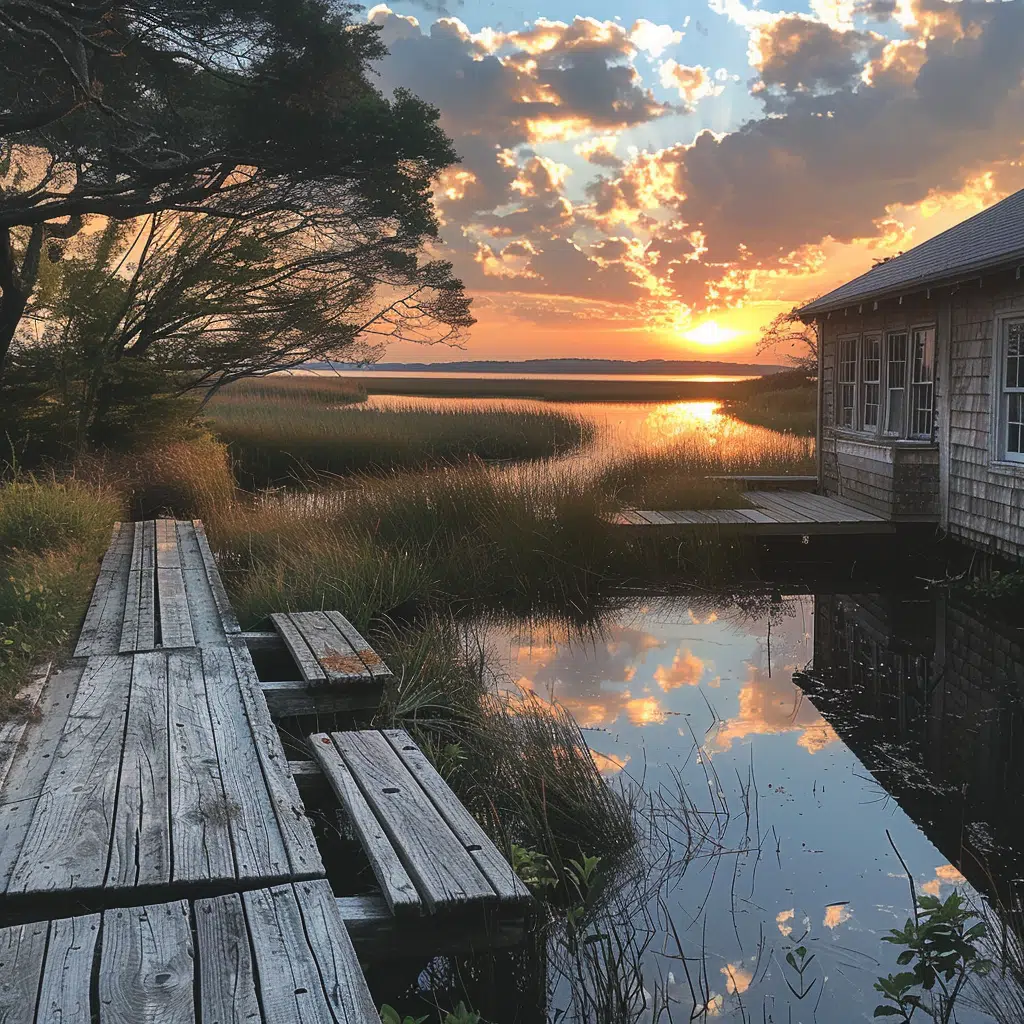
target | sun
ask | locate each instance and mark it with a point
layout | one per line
(710, 333)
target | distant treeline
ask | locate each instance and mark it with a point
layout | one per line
(658, 367)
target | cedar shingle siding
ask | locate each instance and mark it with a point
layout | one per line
(985, 505)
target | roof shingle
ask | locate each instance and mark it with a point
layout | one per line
(988, 239)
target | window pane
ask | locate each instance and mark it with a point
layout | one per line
(847, 381)
(1015, 417)
(871, 375)
(921, 397)
(896, 380)
(1015, 355)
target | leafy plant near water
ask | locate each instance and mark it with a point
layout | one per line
(942, 951)
(460, 1015)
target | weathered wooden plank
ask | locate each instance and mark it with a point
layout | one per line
(759, 516)
(22, 951)
(67, 976)
(13, 729)
(227, 982)
(444, 872)
(207, 627)
(167, 556)
(259, 847)
(101, 629)
(344, 985)
(305, 659)
(395, 883)
(370, 658)
(229, 622)
(146, 966)
(334, 654)
(290, 987)
(295, 697)
(654, 518)
(140, 849)
(175, 618)
(68, 840)
(689, 517)
(199, 810)
(506, 883)
(291, 815)
(634, 518)
(26, 777)
(728, 516)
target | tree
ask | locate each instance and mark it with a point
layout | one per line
(798, 340)
(233, 107)
(143, 314)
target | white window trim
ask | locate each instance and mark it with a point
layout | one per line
(840, 384)
(1001, 458)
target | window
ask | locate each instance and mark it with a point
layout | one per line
(1011, 425)
(885, 383)
(871, 378)
(922, 382)
(895, 380)
(847, 381)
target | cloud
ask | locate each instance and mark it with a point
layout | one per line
(692, 83)
(686, 670)
(599, 150)
(653, 39)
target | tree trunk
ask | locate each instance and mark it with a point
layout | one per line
(16, 284)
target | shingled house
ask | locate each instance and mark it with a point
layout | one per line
(921, 382)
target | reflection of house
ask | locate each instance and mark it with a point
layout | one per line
(921, 382)
(931, 699)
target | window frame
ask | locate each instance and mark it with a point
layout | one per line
(879, 430)
(1000, 393)
(841, 383)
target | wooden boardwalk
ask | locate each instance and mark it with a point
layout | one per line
(769, 514)
(156, 860)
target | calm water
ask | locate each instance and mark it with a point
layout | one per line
(624, 425)
(404, 375)
(907, 722)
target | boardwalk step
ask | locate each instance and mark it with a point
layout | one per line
(158, 587)
(267, 955)
(429, 854)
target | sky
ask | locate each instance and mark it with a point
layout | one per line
(659, 179)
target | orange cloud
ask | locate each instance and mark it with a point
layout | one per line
(686, 670)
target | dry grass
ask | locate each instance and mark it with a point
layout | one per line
(297, 430)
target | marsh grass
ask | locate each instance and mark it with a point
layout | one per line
(52, 535)
(300, 432)
(792, 411)
(687, 475)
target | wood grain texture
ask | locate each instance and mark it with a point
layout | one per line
(296, 830)
(175, 618)
(309, 667)
(291, 991)
(445, 874)
(506, 883)
(199, 810)
(22, 950)
(26, 777)
(333, 653)
(68, 840)
(140, 849)
(202, 605)
(26, 702)
(146, 966)
(294, 697)
(258, 846)
(397, 886)
(101, 629)
(342, 978)
(370, 658)
(229, 621)
(227, 982)
(64, 997)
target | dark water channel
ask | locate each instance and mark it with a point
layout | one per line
(803, 729)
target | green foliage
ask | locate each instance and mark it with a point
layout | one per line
(51, 537)
(942, 950)
(460, 1015)
(1001, 585)
(534, 868)
(791, 411)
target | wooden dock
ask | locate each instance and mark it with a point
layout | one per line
(780, 513)
(156, 860)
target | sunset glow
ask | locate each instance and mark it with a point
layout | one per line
(710, 333)
(656, 181)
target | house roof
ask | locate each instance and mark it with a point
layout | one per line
(992, 238)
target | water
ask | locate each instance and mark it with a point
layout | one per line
(696, 378)
(907, 723)
(626, 426)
